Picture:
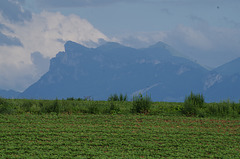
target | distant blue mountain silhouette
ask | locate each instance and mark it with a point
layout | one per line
(9, 94)
(114, 68)
(227, 85)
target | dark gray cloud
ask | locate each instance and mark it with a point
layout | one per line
(78, 3)
(12, 11)
(4, 27)
(6, 40)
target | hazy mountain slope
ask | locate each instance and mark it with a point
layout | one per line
(225, 82)
(230, 68)
(9, 94)
(227, 88)
(113, 68)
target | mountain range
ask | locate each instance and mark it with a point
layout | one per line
(112, 68)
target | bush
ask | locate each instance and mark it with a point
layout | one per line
(115, 97)
(67, 106)
(70, 98)
(193, 105)
(27, 104)
(224, 109)
(113, 109)
(121, 97)
(236, 108)
(36, 109)
(125, 98)
(93, 108)
(141, 104)
(53, 107)
(3, 101)
(5, 107)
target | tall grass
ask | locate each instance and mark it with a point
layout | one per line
(141, 104)
(224, 109)
(5, 108)
(119, 97)
(193, 105)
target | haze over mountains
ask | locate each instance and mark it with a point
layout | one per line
(113, 68)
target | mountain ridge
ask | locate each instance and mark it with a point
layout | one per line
(113, 68)
(229, 68)
(9, 94)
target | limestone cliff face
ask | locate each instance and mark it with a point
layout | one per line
(212, 79)
(113, 68)
(224, 82)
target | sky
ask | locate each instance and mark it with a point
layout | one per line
(34, 31)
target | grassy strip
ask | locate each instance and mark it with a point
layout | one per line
(21, 106)
(117, 136)
(140, 104)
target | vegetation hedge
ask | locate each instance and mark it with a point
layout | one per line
(194, 105)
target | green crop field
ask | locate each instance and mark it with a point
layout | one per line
(117, 128)
(82, 135)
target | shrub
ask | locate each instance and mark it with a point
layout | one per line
(5, 109)
(70, 98)
(236, 108)
(3, 101)
(36, 109)
(224, 108)
(115, 97)
(53, 107)
(125, 98)
(27, 104)
(121, 97)
(6, 106)
(93, 108)
(193, 105)
(141, 104)
(56, 106)
(110, 98)
(67, 106)
(80, 99)
(113, 109)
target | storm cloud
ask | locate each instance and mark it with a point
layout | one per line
(13, 11)
(6, 40)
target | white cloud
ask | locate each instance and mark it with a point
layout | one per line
(15, 68)
(210, 46)
(193, 38)
(45, 33)
(80, 3)
(140, 39)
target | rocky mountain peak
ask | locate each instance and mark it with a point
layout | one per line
(114, 68)
(71, 47)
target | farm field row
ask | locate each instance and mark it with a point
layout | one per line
(117, 136)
